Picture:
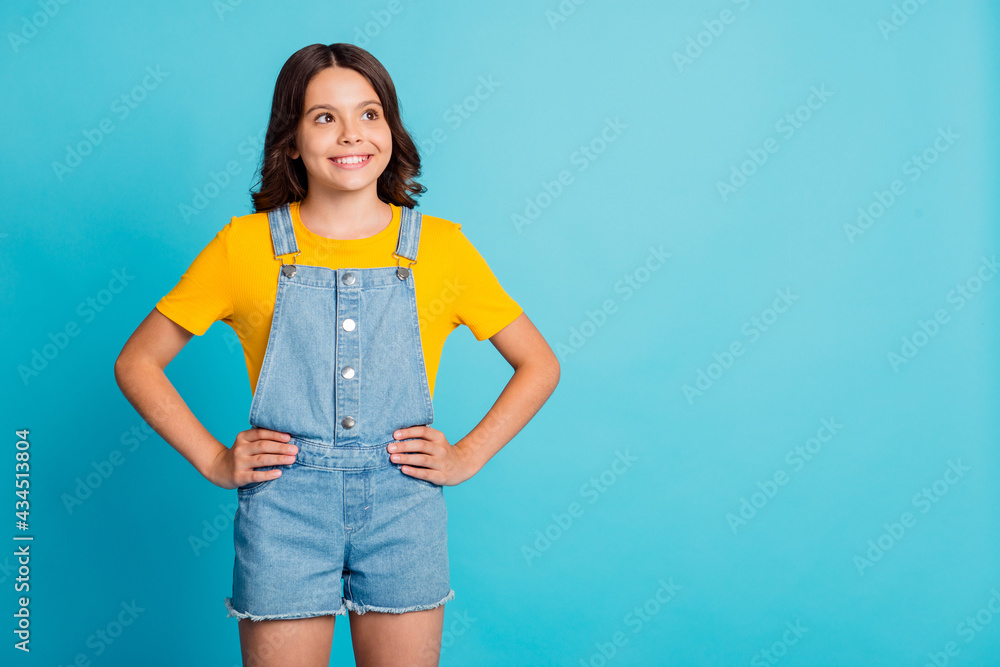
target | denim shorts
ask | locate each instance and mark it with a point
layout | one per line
(339, 531)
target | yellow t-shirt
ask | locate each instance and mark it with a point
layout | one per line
(235, 279)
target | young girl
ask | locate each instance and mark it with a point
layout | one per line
(342, 296)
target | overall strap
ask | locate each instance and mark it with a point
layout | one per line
(409, 237)
(282, 231)
(409, 234)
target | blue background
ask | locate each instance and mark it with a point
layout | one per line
(549, 565)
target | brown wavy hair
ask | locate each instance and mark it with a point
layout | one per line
(282, 179)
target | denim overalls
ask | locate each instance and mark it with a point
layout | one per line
(343, 369)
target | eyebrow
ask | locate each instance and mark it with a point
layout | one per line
(333, 108)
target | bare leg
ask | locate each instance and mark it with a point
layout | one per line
(302, 642)
(384, 639)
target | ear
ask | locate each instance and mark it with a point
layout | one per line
(292, 152)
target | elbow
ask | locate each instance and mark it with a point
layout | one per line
(543, 368)
(553, 371)
(125, 365)
(121, 368)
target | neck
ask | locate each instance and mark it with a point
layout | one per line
(344, 215)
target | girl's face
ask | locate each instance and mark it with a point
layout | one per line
(342, 119)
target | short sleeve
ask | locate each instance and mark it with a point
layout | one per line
(482, 304)
(204, 293)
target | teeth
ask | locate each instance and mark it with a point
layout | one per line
(351, 160)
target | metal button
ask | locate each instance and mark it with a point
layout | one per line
(347, 372)
(348, 278)
(348, 422)
(349, 324)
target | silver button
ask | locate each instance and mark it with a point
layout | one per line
(348, 422)
(348, 324)
(347, 372)
(348, 278)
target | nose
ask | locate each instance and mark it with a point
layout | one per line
(351, 132)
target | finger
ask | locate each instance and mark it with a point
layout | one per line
(409, 446)
(260, 476)
(416, 445)
(268, 434)
(422, 460)
(262, 460)
(411, 432)
(266, 446)
(423, 473)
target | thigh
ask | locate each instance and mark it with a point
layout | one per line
(304, 642)
(384, 639)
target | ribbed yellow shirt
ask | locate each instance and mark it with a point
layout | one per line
(235, 279)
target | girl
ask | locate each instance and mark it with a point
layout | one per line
(342, 296)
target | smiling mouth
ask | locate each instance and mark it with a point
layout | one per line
(351, 159)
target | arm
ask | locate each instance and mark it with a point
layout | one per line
(536, 374)
(139, 371)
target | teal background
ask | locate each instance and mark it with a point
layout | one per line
(588, 595)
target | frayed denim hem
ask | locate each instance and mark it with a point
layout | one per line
(304, 614)
(362, 608)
